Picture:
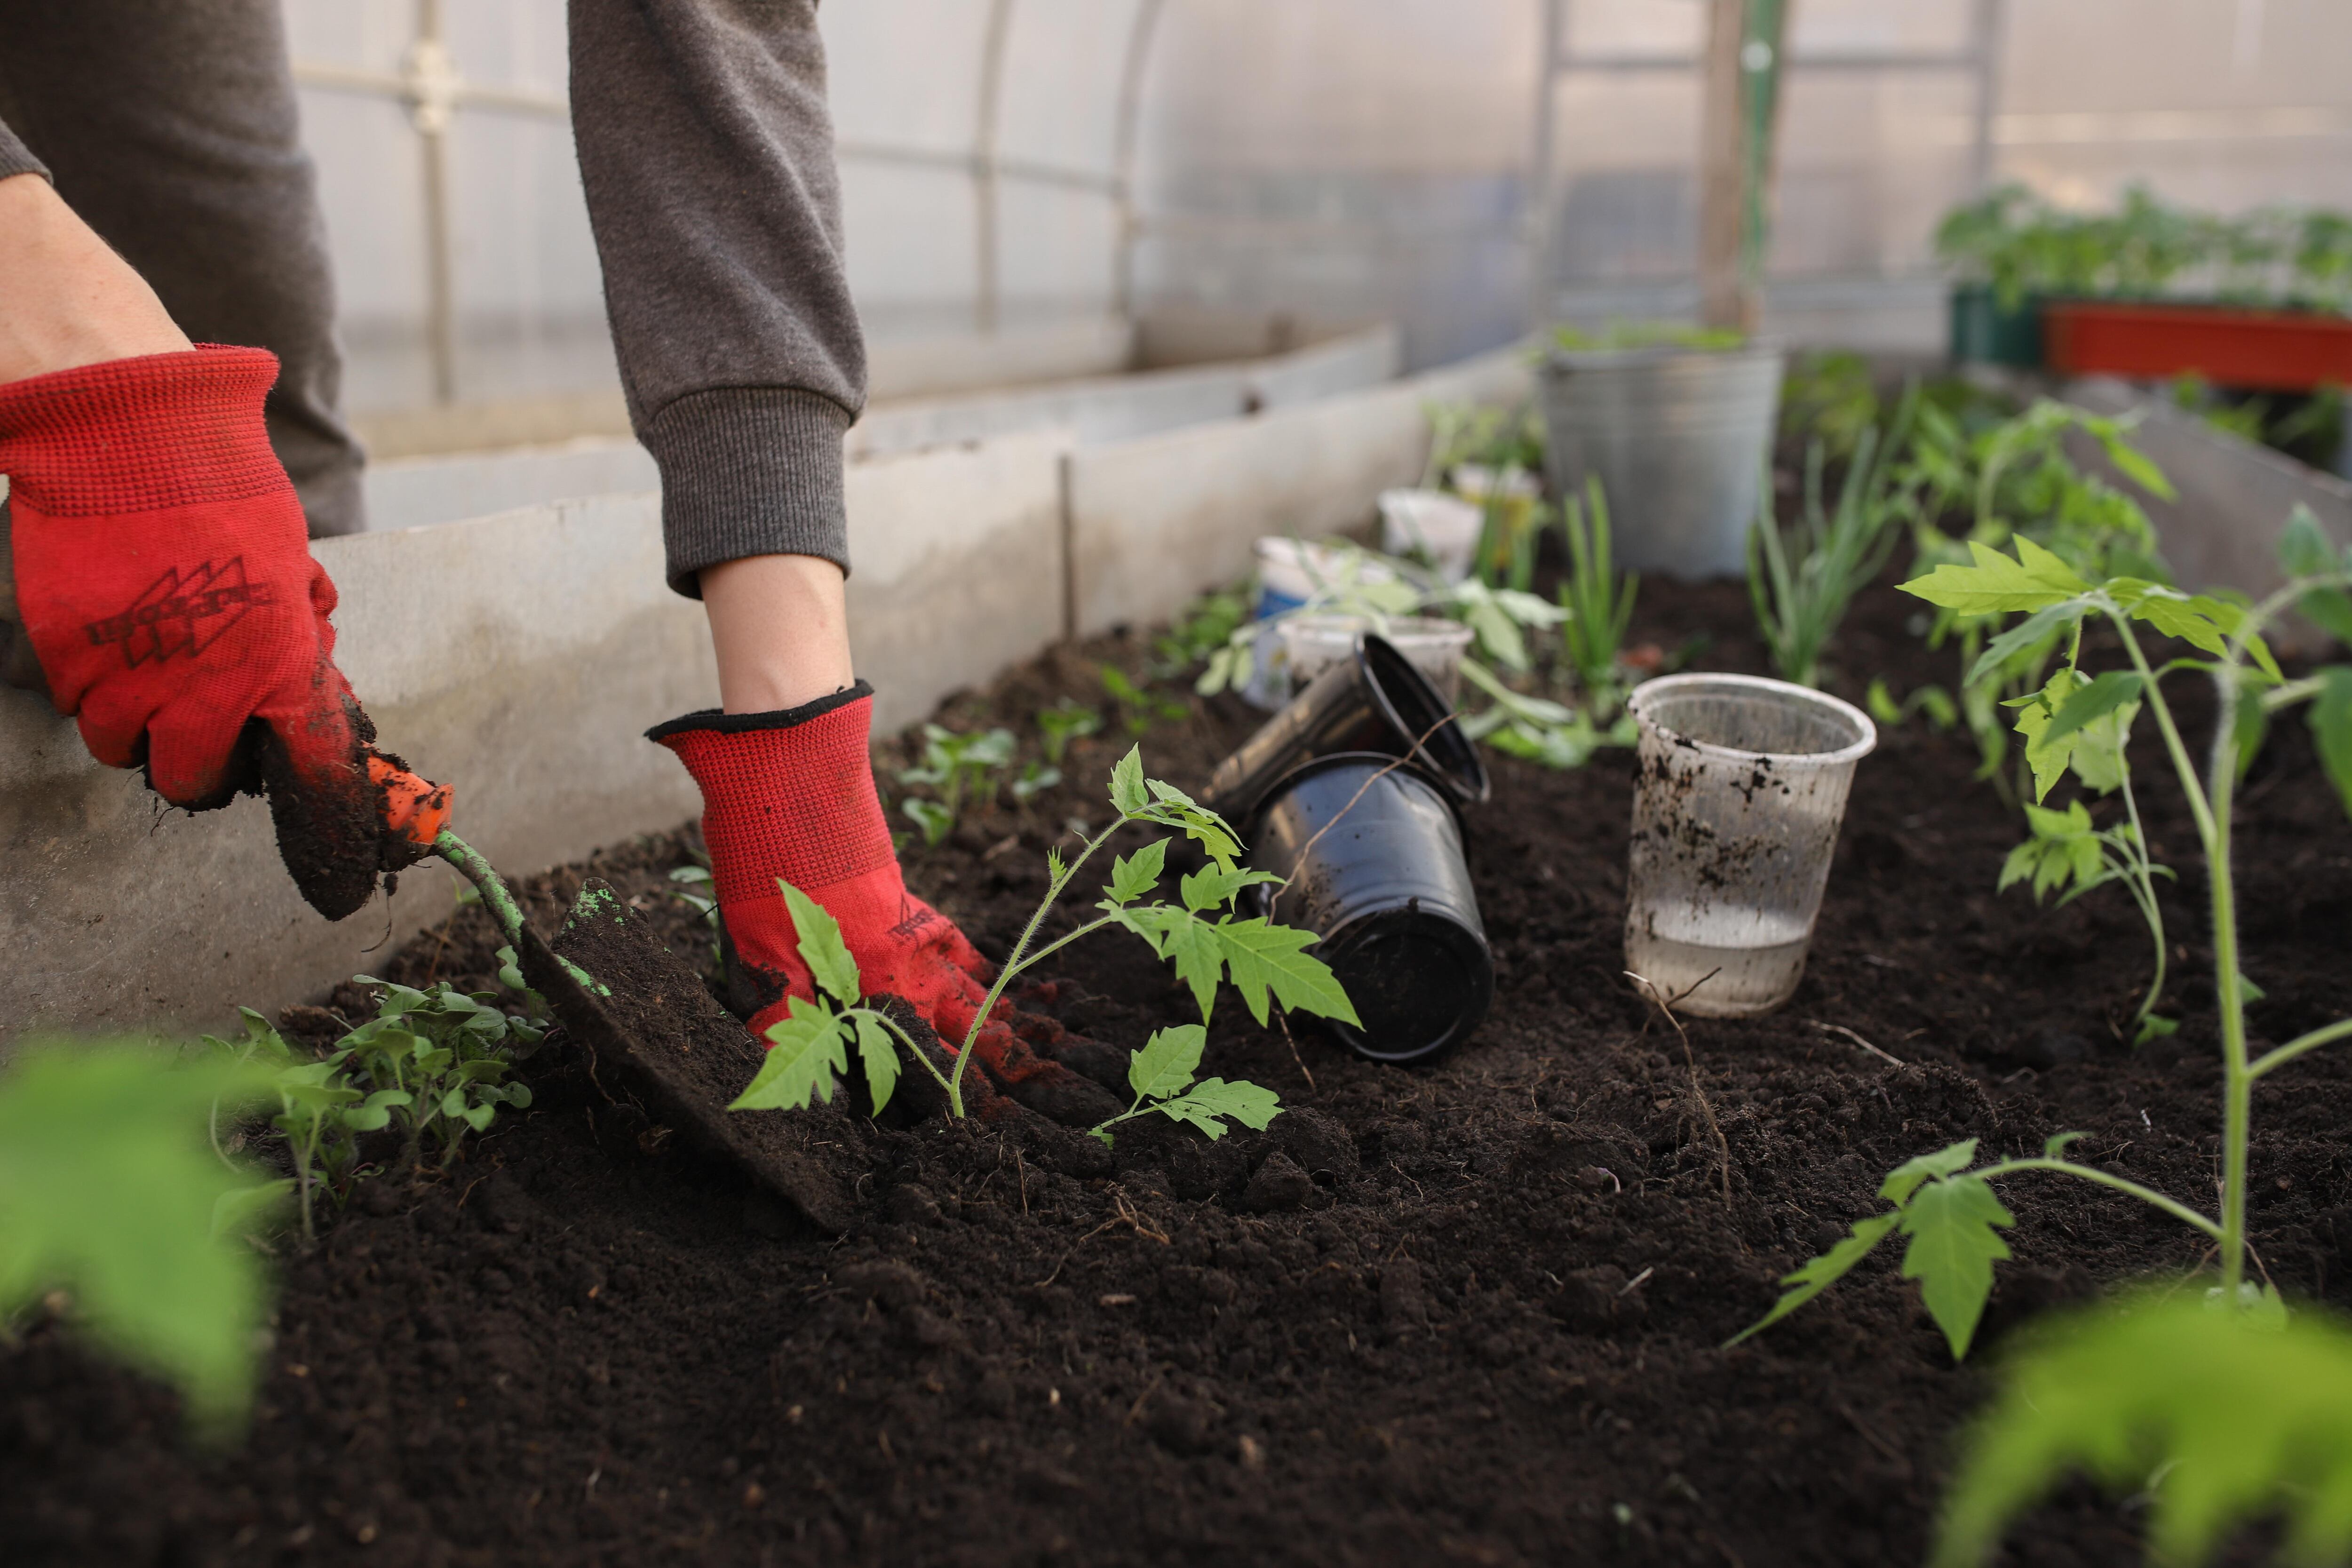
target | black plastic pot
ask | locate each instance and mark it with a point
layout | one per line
(1372, 701)
(1387, 891)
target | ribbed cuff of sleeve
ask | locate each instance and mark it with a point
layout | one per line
(749, 471)
(16, 158)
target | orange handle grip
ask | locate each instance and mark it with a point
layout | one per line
(414, 808)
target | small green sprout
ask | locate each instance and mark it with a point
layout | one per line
(1599, 601)
(1932, 701)
(1035, 779)
(954, 764)
(1064, 722)
(1139, 708)
(689, 878)
(1802, 579)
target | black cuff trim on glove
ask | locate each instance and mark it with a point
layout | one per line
(724, 723)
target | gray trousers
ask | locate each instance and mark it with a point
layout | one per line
(705, 151)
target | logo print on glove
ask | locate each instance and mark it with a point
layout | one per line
(175, 616)
(912, 917)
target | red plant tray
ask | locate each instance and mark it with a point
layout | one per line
(2276, 350)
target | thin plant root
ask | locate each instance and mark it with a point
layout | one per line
(1666, 1004)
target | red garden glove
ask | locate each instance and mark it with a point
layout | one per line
(164, 579)
(791, 795)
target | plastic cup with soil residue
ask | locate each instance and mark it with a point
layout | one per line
(1742, 786)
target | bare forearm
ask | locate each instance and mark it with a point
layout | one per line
(65, 299)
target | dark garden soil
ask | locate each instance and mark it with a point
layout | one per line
(1465, 1312)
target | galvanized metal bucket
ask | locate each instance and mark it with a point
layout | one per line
(1678, 439)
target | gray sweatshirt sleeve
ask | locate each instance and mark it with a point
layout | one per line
(16, 158)
(706, 150)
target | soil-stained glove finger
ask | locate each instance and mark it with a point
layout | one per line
(330, 816)
(1043, 1085)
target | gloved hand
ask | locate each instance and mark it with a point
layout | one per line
(791, 795)
(164, 580)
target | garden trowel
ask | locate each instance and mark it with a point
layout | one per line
(651, 1029)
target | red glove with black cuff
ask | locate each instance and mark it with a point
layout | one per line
(791, 795)
(164, 579)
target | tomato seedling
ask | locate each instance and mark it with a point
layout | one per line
(1203, 938)
(1949, 1210)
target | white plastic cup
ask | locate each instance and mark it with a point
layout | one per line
(1312, 644)
(1739, 791)
(1480, 484)
(1441, 528)
(1291, 571)
(1291, 574)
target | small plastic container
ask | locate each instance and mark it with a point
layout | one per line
(1313, 643)
(1291, 574)
(1432, 525)
(1371, 853)
(1373, 700)
(1740, 790)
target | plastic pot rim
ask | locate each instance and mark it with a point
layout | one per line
(1555, 358)
(1866, 733)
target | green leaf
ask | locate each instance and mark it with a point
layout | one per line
(1905, 1179)
(2152, 1027)
(2035, 628)
(2103, 696)
(806, 1054)
(2055, 1146)
(2329, 609)
(1127, 792)
(374, 1113)
(2135, 465)
(2198, 619)
(2216, 1419)
(1819, 1274)
(1152, 922)
(2034, 581)
(2303, 548)
(1165, 1066)
(821, 947)
(1198, 952)
(1132, 876)
(1953, 1248)
(1263, 956)
(2048, 761)
(1214, 887)
(2331, 727)
(878, 1054)
(1213, 1098)
(936, 820)
(111, 1192)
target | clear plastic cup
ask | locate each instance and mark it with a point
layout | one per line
(1431, 524)
(1311, 644)
(1740, 789)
